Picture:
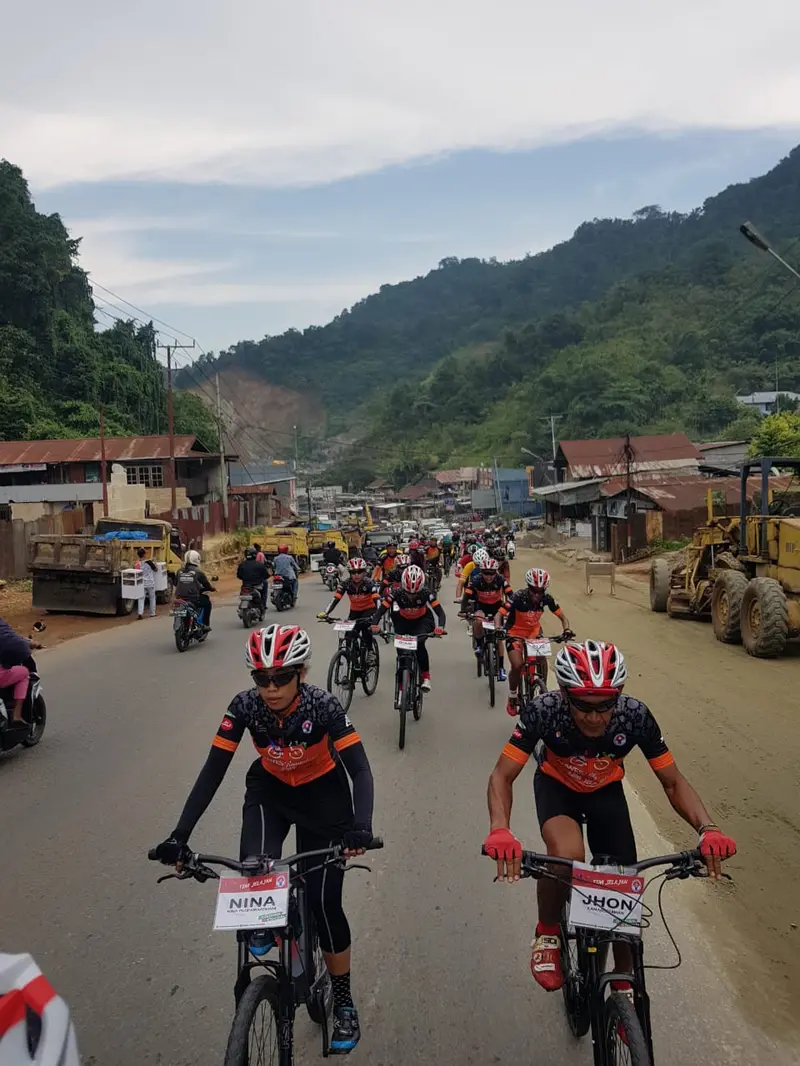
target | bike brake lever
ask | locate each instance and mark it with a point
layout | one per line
(357, 866)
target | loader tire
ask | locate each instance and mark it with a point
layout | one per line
(764, 618)
(726, 606)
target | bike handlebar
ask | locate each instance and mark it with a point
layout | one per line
(197, 861)
(534, 863)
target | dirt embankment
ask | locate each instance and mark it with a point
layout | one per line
(731, 722)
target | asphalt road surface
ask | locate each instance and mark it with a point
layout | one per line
(441, 956)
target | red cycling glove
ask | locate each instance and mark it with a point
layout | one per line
(438, 631)
(715, 843)
(502, 844)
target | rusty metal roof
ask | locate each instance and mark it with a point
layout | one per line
(604, 457)
(87, 450)
(689, 493)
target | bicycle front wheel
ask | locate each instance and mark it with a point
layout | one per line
(623, 1035)
(371, 663)
(406, 704)
(574, 966)
(253, 1039)
(339, 678)
(491, 670)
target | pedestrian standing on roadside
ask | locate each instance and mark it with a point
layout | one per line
(149, 582)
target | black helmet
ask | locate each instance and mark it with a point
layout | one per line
(330, 544)
(499, 554)
(250, 553)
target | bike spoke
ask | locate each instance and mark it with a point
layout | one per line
(263, 1043)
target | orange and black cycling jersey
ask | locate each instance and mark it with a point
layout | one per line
(491, 592)
(432, 555)
(387, 562)
(411, 605)
(297, 749)
(583, 763)
(523, 612)
(363, 595)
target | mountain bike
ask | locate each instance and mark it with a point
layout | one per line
(269, 896)
(533, 681)
(447, 561)
(606, 906)
(356, 659)
(408, 694)
(491, 638)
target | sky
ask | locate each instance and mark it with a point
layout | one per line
(240, 168)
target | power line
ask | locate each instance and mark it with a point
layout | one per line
(142, 311)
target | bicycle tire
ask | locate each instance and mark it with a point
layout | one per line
(343, 694)
(370, 654)
(491, 670)
(478, 660)
(574, 989)
(238, 1051)
(405, 704)
(618, 1013)
(318, 1006)
(419, 695)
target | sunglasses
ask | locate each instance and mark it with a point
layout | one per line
(587, 707)
(280, 678)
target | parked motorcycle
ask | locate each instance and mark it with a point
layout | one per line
(251, 609)
(330, 576)
(282, 597)
(187, 624)
(34, 714)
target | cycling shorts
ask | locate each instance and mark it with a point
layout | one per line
(488, 610)
(604, 811)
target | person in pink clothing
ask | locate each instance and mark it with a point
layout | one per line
(14, 673)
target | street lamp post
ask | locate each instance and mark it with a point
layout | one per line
(545, 462)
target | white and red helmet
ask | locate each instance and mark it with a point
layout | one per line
(277, 646)
(413, 579)
(537, 579)
(35, 1023)
(402, 560)
(479, 557)
(357, 565)
(592, 668)
(490, 564)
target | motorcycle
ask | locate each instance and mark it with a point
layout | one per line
(34, 714)
(330, 576)
(282, 597)
(187, 624)
(511, 549)
(250, 608)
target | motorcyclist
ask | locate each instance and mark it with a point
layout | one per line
(368, 553)
(254, 575)
(333, 556)
(193, 586)
(287, 569)
(15, 651)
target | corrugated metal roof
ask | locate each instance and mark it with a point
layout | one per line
(453, 477)
(688, 494)
(604, 457)
(87, 450)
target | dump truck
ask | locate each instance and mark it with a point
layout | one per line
(294, 537)
(318, 538)
(83, 572)
(742, 572)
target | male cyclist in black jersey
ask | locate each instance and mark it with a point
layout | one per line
(587, 729)
(307, 748)
(362, 593)
(415, 612)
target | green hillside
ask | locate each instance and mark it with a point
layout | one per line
(56, 370)
(647, 324)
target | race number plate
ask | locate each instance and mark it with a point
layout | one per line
(406, 643)
(606, 897)
(344, 627)
(487, 625)
(535, 648)
(253, 902)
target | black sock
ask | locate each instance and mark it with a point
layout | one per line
(341, 990)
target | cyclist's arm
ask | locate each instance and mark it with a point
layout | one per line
(223, 748)
(438, 610)
(501, 789)
(554, 608)
(337, 599)
(682, 795)
(351, 751)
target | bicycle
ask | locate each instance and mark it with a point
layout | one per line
(605, 906)
(272, 898)
(448, 562)
(387, 627)
(533, 681)
(356, 658)
(408, 694)
(491, 638)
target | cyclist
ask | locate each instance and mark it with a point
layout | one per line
(415, 612)
(484, 595)
(448, 548)
(362, 592)
(479, 556)
(521, 618)
(587, 728)
(385, 561)
(417, 553)
(503, 563)
(433, 562)
(392, 579)
(306, 743)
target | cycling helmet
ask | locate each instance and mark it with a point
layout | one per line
(471, 548)
(357, 565)
(276, 645)
(537, 579)
(35, 1025)
(193, 558)
(413, 545)
(403, 560)
(283, 549)
(413, 579)
(250, 553)
(499, 554)
(592, 668)
(479, 557)
(490, 564)
(330, 544)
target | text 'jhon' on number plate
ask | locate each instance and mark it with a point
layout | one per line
(252, 902)
(605, 897)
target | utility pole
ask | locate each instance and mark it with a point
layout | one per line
(552, 419)
(103, 465)
(223, 466)
(496, 487)
(170, 348)
(628, 453)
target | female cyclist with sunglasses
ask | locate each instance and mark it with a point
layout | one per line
(307, 748)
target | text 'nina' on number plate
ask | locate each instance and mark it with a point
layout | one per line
(606, 897)
(253, 902)
(406, 643)
(535, 648)
(344, 627)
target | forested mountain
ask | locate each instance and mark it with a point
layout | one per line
(647, 324)
(56, 370)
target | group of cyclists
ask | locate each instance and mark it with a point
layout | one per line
(312, 770)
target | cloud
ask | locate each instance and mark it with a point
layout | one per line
(265, 92)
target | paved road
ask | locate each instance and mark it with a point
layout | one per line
(441, 959)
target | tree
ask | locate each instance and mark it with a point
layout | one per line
(777, 435)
